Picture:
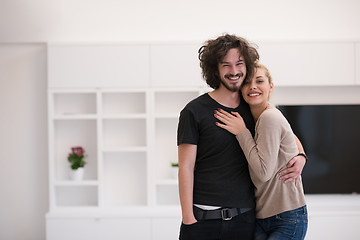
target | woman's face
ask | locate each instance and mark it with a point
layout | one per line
(256, 91)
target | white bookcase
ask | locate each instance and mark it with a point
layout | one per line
(121, 103)
(129, 136)
(130, 141)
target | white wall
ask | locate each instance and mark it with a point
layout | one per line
(163, 20)
(23, 140)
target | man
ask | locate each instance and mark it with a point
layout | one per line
(216, 192)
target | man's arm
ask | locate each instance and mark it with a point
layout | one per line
(187, 157)
(295, 165)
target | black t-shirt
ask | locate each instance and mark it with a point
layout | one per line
(221, 176)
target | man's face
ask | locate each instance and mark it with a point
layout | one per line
(232, 70)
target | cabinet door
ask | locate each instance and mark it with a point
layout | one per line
(309, 64)
(71, 229)
(97, 229)
(165, 228)
(175, 65)
(125, 228)
(89, 66)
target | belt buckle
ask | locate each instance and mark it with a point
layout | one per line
(225, 214)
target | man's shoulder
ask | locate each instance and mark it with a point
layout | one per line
(198, 101)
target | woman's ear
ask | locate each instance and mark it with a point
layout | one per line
(271, 89)
(271, 86)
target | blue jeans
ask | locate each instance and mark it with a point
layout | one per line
(284, 226)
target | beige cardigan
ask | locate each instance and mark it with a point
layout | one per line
(267, 153)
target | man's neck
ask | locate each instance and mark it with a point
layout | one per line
(225, 97)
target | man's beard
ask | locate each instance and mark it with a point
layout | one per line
(232, 87)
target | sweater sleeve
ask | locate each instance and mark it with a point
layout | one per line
(262, 151)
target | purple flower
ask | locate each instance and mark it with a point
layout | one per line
(76, 157)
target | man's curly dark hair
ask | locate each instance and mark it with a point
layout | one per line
(212, 53)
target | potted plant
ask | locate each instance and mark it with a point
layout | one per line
(77, 163)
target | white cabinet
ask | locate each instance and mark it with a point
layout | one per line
(175, 65)
(91, 66)
(122, 104)
(109, 228)
(129, 136)
(309, 64)
(99, 228)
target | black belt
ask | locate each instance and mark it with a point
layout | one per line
(222, 213)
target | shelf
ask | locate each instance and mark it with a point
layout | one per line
(125, 149)
(70, 196)
(75, 117)
(77, 183)
(66, 104)
(125, 116)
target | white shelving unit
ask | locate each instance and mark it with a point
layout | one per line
(122, 103)
(130, 141)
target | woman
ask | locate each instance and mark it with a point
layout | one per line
(280, 208)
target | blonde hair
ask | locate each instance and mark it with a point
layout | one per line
(266, 70)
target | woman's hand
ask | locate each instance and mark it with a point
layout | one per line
(233, 122)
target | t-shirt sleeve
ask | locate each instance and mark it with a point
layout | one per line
(187, 131)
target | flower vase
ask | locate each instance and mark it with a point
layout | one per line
(78, 174)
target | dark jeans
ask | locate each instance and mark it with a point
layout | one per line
(284, 226)
(241, 227)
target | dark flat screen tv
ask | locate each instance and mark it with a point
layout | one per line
(330, 135)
